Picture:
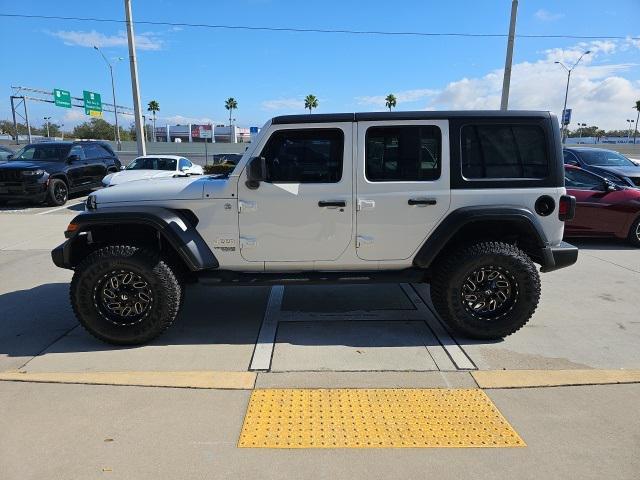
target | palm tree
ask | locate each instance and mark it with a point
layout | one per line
(310, 102)
(230, 104)
(153, 107)
(390, 101)
(635, 132)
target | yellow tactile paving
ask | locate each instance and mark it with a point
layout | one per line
(374, 418)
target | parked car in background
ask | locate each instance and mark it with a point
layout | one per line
(603, 209)
(153, 166)
(53, 170)
(4, 153)
(609, 164)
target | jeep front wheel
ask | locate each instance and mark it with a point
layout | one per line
(488, 290)
(125, 295)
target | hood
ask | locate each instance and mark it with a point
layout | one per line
(158, 189)
(26, 165)
(624, 171)
(131, 175)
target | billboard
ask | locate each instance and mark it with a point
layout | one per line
(201, 131)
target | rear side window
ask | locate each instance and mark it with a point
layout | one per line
(304, 156)
(504, 151)
(404, 153)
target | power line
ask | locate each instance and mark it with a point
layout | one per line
(314, 30)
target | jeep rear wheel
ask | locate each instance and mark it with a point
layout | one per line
(488, 290)
(125, 295)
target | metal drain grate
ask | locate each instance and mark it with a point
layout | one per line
(374, 418)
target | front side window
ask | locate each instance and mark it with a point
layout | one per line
(582, 180)
(504, 151)
(48, 152)
(184, 163)
(304, 156)
(403, 154)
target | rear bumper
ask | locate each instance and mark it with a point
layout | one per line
(560, 256)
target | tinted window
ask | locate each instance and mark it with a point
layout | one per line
(152, 163)
(605, 158)
(409, 153)
(582, 180)
(184, 163)
(304, 156)
(44, 152)
(77, 150)
(93, 151)
(504, 151)
(569, 158)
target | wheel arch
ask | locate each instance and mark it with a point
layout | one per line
(511, 224)
(171, 232)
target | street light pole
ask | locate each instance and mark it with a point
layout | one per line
(506, 81)
(566, 93)
(113, 93)
(135, 88)
(46, 119)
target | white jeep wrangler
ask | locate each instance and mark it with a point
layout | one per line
(466, 201)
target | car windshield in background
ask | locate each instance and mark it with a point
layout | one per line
(153, 164)
(43, 153)
(605, 158)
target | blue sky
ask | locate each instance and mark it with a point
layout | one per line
(190, 71)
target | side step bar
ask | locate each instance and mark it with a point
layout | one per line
(225, 277)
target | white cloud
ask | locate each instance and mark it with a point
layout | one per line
(74, 116)
(547, 16)
(598, 95)
(283, 104)
(144, 41)
(405, 96)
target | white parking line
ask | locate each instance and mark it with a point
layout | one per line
(59, 208)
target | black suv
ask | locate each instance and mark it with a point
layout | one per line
(51, 171)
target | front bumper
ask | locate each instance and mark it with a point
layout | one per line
(560, 256)
(31, 191)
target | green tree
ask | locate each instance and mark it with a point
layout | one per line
(97, 129)
(390, 101)
(6, 128)
(310, 102)
(153, 107)
(230, 104)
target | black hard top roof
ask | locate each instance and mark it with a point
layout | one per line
(415, 115)
(72, 142)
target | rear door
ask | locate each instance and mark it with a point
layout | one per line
(96, 167)
(77, 169)
(402, 186)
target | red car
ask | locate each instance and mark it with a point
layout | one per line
(602, 208)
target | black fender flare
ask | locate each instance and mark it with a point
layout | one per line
(175, 227)
(462, 217)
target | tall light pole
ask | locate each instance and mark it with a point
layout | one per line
(566, 93)
(580, 127)
(113, 93)
(506, 81)
(46, 119)
(135, 88)
(630, 122)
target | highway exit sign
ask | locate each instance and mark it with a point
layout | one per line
(92, 103)
(62, 98)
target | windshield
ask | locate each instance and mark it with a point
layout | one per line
(43, 153)
(605, 158)
(144, 163)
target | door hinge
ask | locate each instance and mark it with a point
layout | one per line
(248, 242)
(366, 204)
(363, 241)
(244, 206)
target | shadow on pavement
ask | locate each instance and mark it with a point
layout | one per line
(602, 244)
(34, 320)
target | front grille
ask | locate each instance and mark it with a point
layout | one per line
(11, 175)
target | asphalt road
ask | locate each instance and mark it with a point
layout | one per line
(385, 336)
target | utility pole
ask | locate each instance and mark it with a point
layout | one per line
(135, 88)
(46, 119)
(506, 81)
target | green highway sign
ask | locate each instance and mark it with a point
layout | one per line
(92, 103)
(62, 98)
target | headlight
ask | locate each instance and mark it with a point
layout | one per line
(32, 173)
(91, 203)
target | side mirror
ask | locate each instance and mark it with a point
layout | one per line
(610, 186)
(256, 172)
(73, 158)
(122, 167)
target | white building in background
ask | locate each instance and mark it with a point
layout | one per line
(192, 132)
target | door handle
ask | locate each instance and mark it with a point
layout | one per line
(422, 201)
(332, 203)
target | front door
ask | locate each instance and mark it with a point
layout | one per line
(77, 171)
(402, 187)
(303, 211)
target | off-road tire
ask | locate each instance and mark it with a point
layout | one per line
(90, 285)
(634, 233)
(449, 289)
(54, 197)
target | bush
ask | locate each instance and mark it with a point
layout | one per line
(223, 167)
